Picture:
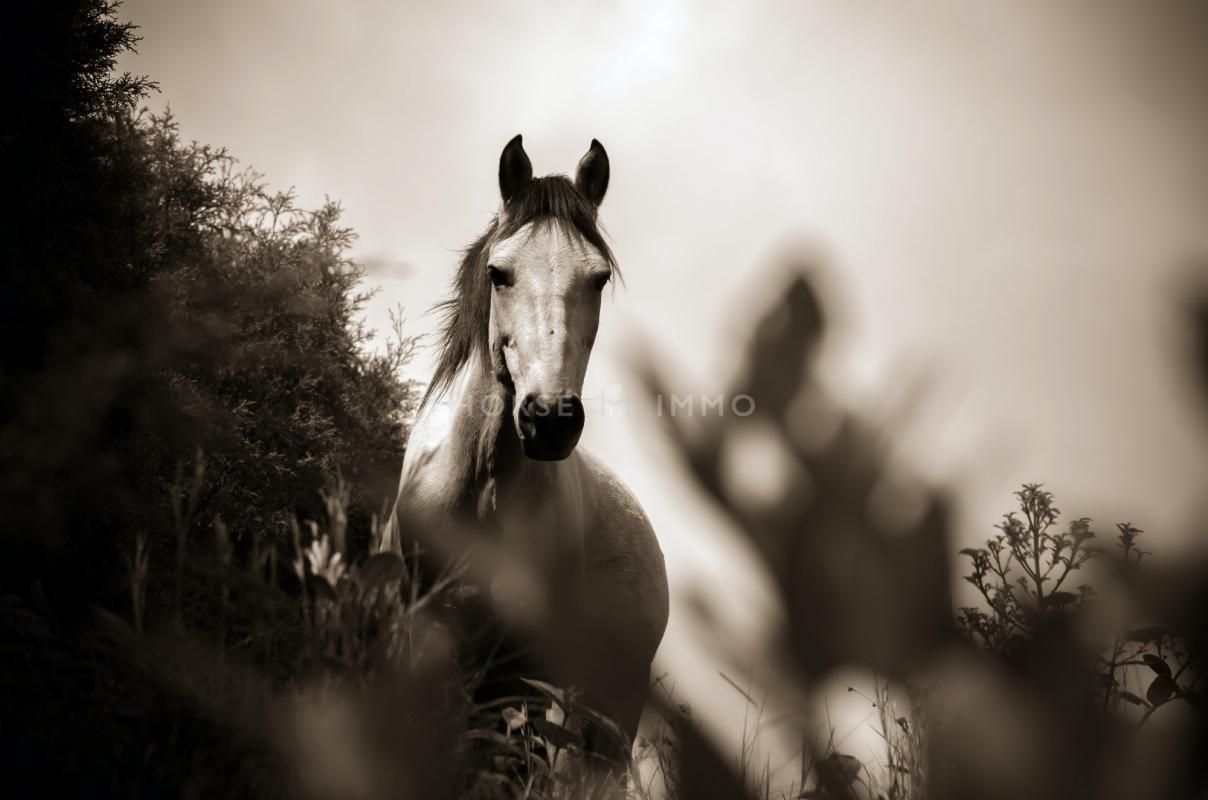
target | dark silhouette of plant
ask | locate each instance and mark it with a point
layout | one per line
(1018, 604)
(1044, 557)
(855, 595)
(158, 300)
(1158, 655)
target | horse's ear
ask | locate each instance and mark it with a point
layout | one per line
(592, 177)
(515, 169)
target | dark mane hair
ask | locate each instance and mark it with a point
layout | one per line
(466, 312)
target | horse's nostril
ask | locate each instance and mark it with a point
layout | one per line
(544, 412)
(535, 408)
(528, 425)
(550, 425)
(526, 406)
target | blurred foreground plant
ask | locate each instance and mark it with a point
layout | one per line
(858, 554)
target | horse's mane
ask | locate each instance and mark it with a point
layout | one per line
(465, 314)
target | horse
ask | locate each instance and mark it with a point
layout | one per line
(493, 448)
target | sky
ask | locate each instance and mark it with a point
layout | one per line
(1009, 196)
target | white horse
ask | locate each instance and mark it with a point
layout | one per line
(493, 449)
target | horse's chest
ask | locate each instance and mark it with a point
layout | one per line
(541, 521)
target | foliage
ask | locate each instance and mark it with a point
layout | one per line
(62, 57)
(1046, 559)
(286, 392)
(165, 303)
(1017, 607)
(1028, 702)
(323, 674)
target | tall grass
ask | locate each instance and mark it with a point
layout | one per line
(324, 646)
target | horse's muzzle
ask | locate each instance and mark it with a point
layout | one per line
(550, 425)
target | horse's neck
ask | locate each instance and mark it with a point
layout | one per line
(465, 461)
(454, 449)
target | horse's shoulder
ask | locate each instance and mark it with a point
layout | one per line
(614, 503)
(620, 545)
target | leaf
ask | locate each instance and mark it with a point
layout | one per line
(556, 735)
(1060, 599)
(379, 570)
(845, 766)
(1161, 689)
(788, 334)
(1157, 664)
(606, 723)
(1123, 694)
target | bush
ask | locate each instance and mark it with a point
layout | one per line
(165, 305)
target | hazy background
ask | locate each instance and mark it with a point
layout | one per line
(1009, 196)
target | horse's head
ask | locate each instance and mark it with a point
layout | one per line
(547, 267)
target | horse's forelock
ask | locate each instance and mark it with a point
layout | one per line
(466, 312)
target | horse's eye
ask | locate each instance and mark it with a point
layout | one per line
(499, 277)
(601, 280)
